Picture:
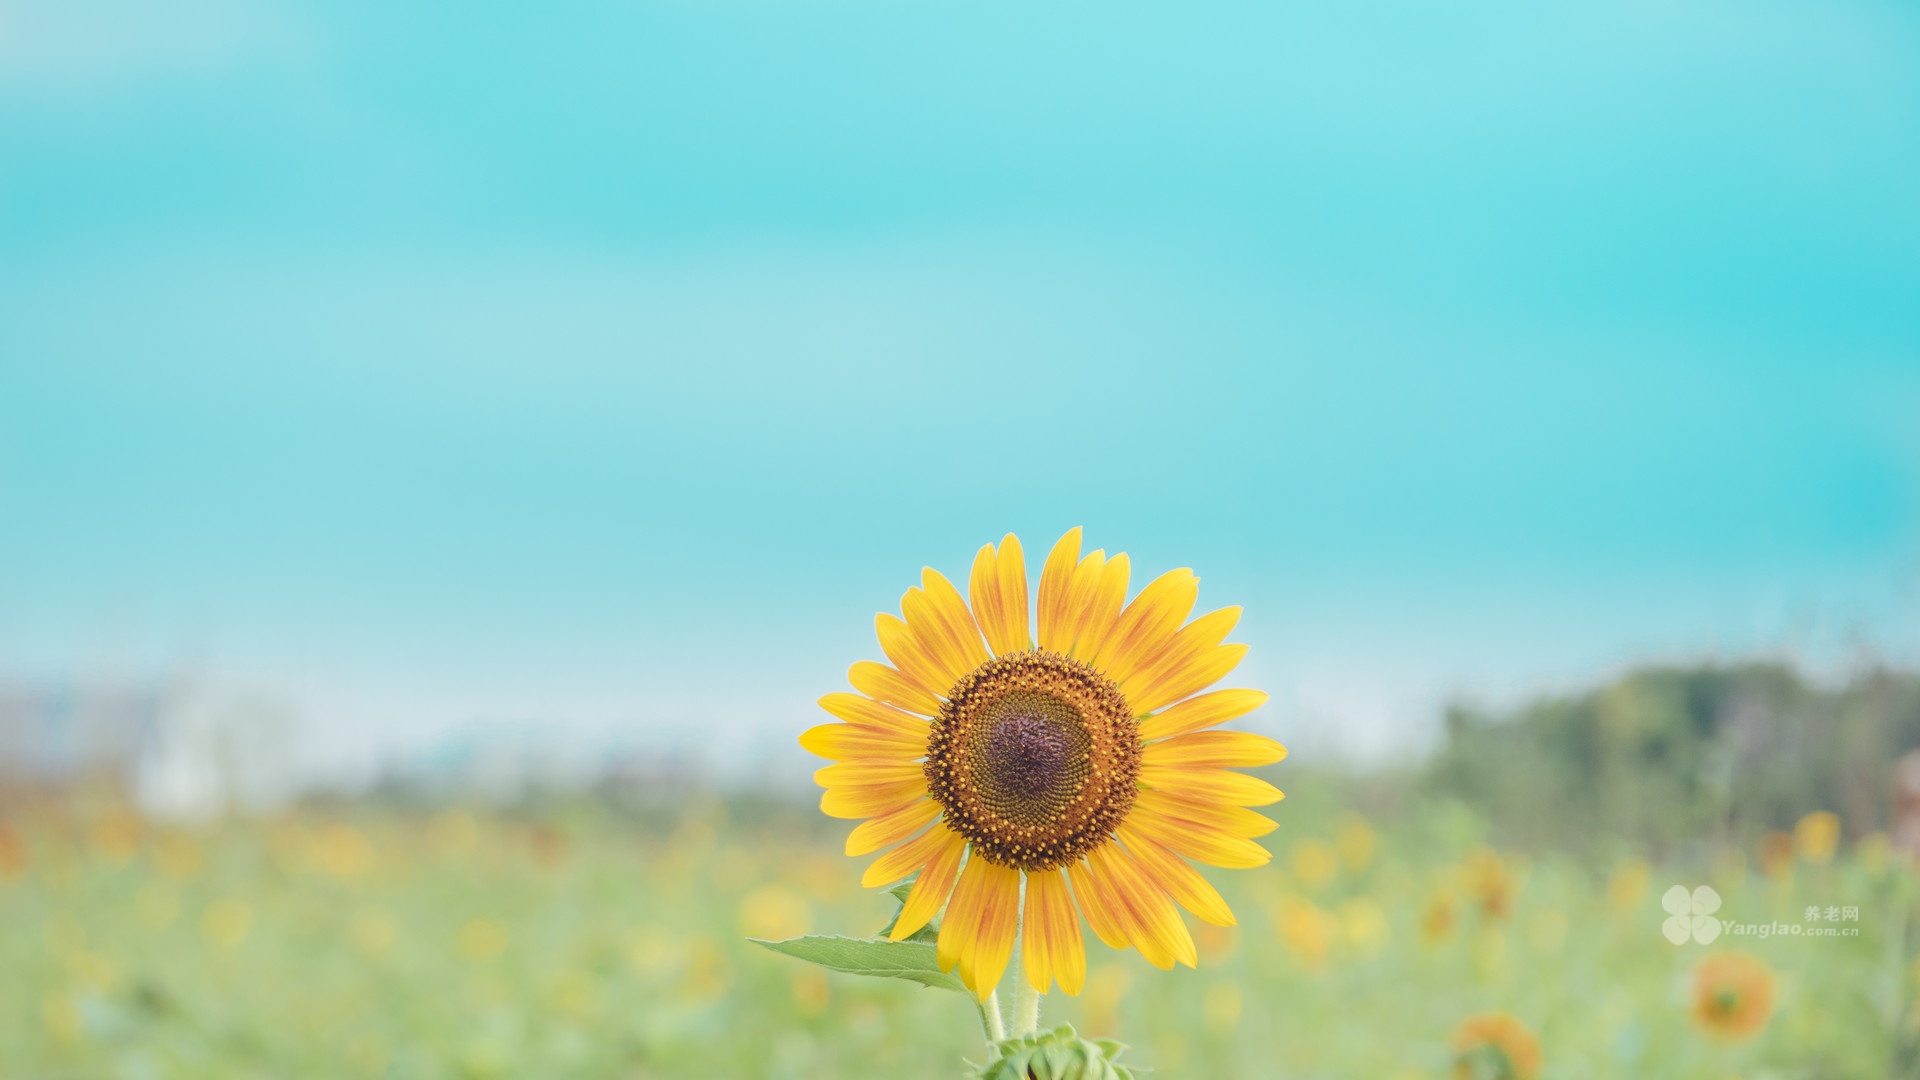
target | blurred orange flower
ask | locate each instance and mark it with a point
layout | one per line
(1732, 996)
(1495, 1046)
(1488, 880)
(1776, 854)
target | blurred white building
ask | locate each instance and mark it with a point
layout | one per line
(186, 750)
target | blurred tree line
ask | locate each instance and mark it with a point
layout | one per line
(1670, 757)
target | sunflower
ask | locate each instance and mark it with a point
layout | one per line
(1495, 1046)
(1732, 996)
(1032, 781)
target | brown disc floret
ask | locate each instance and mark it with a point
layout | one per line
(1034, 757)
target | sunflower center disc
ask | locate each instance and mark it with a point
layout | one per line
(1034, 758)
(1034, 750)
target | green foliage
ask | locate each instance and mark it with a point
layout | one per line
(1060, 1054)
(361, 944)
(1670, 757)
(877, 957)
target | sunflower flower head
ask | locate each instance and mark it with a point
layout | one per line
(1732, 996)
(1495, 1046)
(1030, 766)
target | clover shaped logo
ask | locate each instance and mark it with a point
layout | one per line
(1691, 914)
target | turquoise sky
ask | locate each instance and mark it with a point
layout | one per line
(607, 368)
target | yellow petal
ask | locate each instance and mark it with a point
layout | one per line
(1233, 820)
(1190, 678)
(999, 590)
(882, 683)
(1219, 749)
(867, 773)
(1148, 624)
(903, 860)
(1056, 581)
(903, 647)
(870, 836)
(1175, 878)
(1213, 846)
(1016, 615)
(870, 800)
(1211, 785)
(1050, 943)
(955, 947)
(1148, 917)
(1103, 608)
(1182, 649)
(866, 712)
(1090, 895)
(951, 608)
(853, 742)
(932, 887)
(993, 935)
(1203, 711)
(931, 629)
(982, 586)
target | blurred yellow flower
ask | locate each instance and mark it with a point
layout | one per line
(1314, 863)
(61, 1017)
(227, 923)
(1495, 1046)
(577, 995)
(1488, 880)
(1817, 836)
(1364, 921)
(1215, 942)
(1732, 996)
(1307, 930)
(1627, 885)
(1776, 854)
(655, 950)
(343, 851)
(481, 939)
(774, 912)
(177, 855)
(115, 836)
(1221, 1007)
(1356, 840)
(1436, 923)
(705, 978)
(95, 971)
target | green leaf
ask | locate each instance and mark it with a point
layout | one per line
(910, 960)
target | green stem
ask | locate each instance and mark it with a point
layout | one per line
(990, 1020)
(1026, 1007)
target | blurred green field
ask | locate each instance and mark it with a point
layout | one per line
(585, 941)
